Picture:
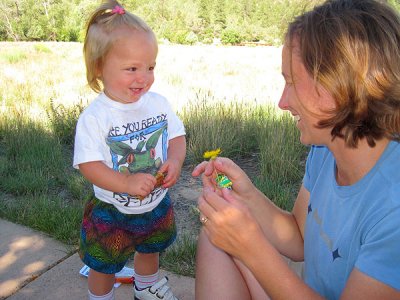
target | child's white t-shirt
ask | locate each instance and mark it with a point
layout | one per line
(127, 138)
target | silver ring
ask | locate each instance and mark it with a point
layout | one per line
(203, 220)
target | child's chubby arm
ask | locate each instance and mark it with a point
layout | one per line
(138, 184)
(173, 165)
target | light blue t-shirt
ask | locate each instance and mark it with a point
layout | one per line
(352, 226)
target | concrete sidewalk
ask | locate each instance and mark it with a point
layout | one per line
(36, 267)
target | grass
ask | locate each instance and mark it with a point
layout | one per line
(282, 159)
(34, 160)
(12, 57)
(40, 189)
(212, 124)
(45, 212)
(180, 257)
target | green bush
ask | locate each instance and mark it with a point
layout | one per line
(191, 38)
(63, 120)
(40, 47)
(207, 36)
(231, 37)
(69, 35)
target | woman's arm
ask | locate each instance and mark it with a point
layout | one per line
(283, 229)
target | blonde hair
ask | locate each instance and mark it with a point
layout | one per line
(100, 36)
(352, 49)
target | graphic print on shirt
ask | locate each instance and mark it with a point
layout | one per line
(328, 241)
(139, 151)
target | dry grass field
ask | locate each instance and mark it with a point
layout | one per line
(43, 71)
(250, 74)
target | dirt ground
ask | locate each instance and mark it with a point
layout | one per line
(184, 195)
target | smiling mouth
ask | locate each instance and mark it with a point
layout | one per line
(136, 90)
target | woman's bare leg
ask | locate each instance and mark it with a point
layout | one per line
(217, 276)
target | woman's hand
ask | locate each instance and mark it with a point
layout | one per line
(230, 224)
(242, 187)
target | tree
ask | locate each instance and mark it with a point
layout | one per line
(9, 12)
(204, 12)
(219, 13)
(182, 21)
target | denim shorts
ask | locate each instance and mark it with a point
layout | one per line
(109, 238)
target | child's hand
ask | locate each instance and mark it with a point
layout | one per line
(140, 184)
(172, 168)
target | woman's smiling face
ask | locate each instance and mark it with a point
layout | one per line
(307, 101)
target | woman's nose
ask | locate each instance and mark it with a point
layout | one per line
(283, 102)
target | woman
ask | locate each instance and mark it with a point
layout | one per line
(341, 66)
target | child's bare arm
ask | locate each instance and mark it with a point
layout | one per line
(139, 184)
(173, 165)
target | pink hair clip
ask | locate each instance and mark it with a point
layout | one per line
(118, 10)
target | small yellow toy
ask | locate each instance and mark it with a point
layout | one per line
(160, 179)
(222, 180)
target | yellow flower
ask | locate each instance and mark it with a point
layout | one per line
(212, 154)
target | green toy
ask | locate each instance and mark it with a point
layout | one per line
(222, 180)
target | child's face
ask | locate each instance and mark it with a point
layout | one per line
(128, 68)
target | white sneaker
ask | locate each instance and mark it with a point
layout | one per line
(157, 291)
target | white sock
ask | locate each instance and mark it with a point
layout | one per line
(109, 296)
(144, 281)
